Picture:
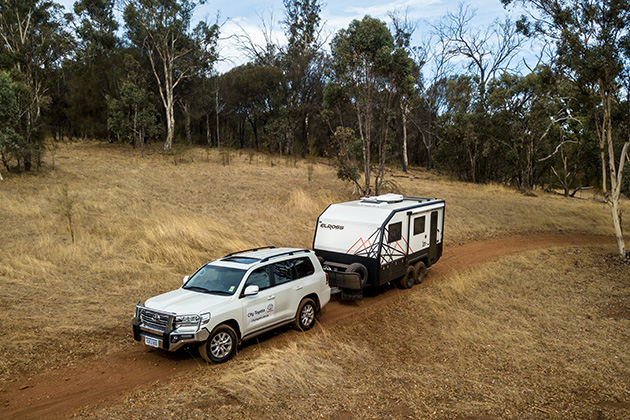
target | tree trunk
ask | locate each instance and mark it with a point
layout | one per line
(405, 158)
(170, 120)
(615, 193)
(216, 104)
(208, 133)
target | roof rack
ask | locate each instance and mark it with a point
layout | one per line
(248, 250)
(295, 251)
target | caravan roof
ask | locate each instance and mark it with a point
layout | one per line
(374, 210)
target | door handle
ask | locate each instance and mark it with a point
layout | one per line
(271, 297)
(298, 288)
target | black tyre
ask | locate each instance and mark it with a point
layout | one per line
(408, 280)
(221, 345)
(421, 271)
(359, 268)
(305, 317)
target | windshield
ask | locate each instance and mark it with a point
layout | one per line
(215, 280)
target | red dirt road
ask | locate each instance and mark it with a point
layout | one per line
(59, 393)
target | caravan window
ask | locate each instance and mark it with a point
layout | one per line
(394, 232)
(418, 225)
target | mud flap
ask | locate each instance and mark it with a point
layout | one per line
(347, 294)
(343, 280)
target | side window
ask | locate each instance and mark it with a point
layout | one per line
(394, 232)
(259, 277)
(304, 267)
(418, 225)
(283, 272)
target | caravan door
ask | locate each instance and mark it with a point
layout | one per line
(418, 233)
(433, 248)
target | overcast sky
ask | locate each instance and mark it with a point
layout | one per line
(247, 15)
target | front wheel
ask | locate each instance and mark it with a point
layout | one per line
(305, 317)
(221, 345)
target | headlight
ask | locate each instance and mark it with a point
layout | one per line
(181, 320)
(205, 318)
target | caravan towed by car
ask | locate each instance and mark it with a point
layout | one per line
(367, 242)
(378, 240)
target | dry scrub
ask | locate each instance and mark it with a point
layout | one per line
(139, 225)
(534, 336)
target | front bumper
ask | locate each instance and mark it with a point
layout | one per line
(167, 340)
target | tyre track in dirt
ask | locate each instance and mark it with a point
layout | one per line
(59, 393)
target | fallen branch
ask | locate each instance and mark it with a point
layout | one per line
(579, 189)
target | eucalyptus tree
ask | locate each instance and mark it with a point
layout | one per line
(132, 115)
(592, 42)
(9, 138)
(406, 76)
(531, 123)
(32, 43)
(486, 52)
(302, 63)
(97, 48)
(251, 94)
(361, 64)
(176, 51)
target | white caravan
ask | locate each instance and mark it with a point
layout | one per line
(377, 240)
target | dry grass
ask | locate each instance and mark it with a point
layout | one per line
(141, 224)
(534, 336)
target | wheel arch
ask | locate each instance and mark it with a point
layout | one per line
(315, 299)
(232, 323)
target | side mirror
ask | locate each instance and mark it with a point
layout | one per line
(185, 279)
(251, 290)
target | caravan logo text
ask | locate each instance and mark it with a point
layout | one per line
(331, 227)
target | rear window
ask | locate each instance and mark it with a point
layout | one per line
(286, 271)
(394, 232)
(304, 267)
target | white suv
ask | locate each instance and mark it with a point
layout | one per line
(234, 298)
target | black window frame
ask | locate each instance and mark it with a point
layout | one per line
(291, 269)
(295, 274)
(394, 228)
(415, 225)
(271, 282)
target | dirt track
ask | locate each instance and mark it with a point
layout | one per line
(60, 393)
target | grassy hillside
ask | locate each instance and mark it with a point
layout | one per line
(540, 335)
(139, 225)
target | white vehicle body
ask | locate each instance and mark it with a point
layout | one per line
(385, 234)
(245, 294)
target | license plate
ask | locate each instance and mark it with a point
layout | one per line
(153, 342)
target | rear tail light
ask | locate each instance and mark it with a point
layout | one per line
(326, 279)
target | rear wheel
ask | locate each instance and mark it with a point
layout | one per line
(407, 281)
(421, 271)
(221, 345)
(305, 317)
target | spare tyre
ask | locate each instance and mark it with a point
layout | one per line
(361, 270)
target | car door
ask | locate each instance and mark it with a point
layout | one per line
(259, 311)
(287, 291)
(293, 281)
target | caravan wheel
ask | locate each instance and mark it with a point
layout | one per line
(407, 281)
(421, 271)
